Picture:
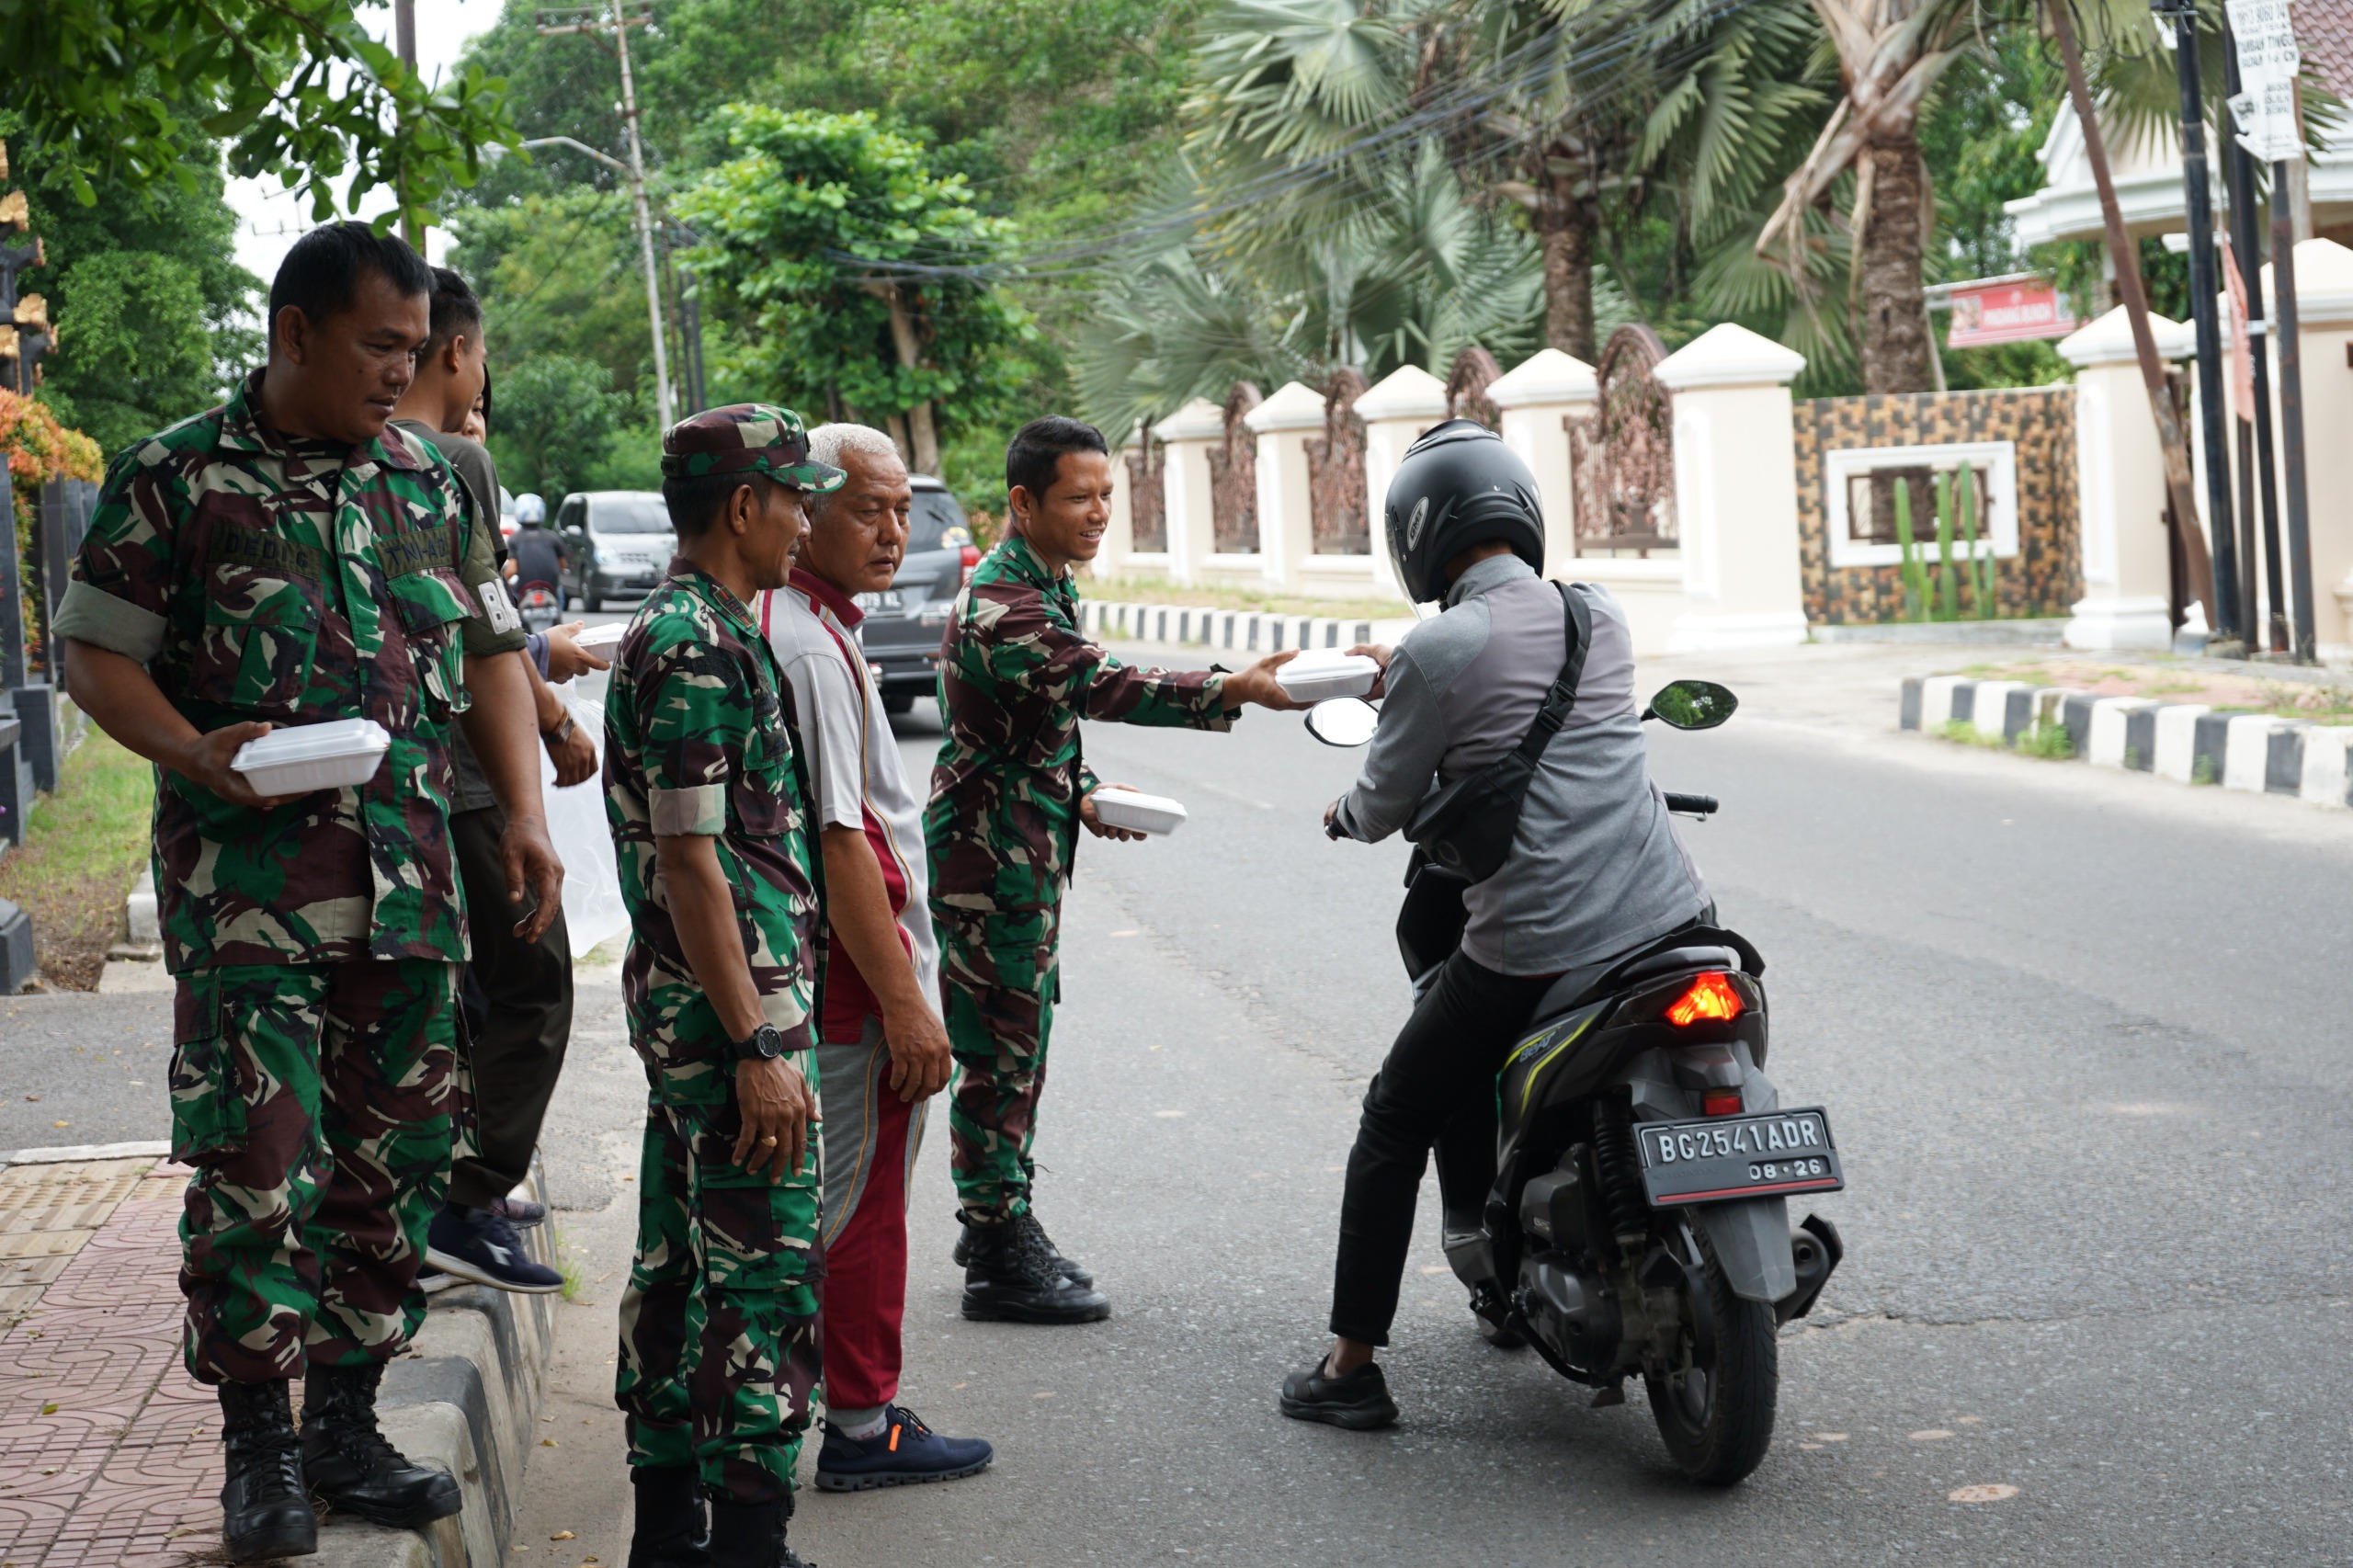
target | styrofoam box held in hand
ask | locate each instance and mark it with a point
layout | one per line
(1322, 674)
(597, 639)
(1136, 811)
(303, 757)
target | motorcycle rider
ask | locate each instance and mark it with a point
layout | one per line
(535, 551)
(1595, 869)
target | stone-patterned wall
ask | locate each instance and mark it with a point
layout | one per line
(2045, 578)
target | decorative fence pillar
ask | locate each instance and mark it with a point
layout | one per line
(1119, 534)
(2120, 488)
(1405, 402)
(1538, 400)
(2325, 332)
(1282, 425)
(1191, 518)
(1735, 491)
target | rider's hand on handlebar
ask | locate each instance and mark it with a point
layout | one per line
(567, 658)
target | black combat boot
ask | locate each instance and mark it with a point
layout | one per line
(352, 1466)
(265, 1508)
(670, 1530)
(1069, 1266)
(1011, 1278)
(750, 1535)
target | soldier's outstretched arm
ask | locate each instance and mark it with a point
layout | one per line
(124, 699)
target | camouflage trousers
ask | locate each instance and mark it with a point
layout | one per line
(1001, 974)
(317, 1104)
(719, 1335)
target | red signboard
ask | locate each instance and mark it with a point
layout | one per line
(2007, 311)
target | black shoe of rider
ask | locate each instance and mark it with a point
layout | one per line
(1070, 1266)
(1011, 1278)
(670, 1530)
(1358, 1401)
(352, 1466)
(265, 1508)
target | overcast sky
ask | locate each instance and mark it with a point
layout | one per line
(270, 218)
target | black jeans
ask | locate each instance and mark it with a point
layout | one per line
(1442, 1069)
(518, 1039)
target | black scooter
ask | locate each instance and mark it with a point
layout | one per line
(1623, 1206)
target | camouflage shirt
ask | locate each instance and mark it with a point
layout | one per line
(260, 576)
(698, 740)
(1016, 677)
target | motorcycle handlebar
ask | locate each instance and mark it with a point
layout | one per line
(1693, 806)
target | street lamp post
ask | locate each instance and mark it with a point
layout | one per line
(633, 172)
(2203, 311)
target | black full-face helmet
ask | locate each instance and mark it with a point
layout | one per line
(1458, 486)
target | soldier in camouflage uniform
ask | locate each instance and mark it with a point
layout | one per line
(709, 806)
(1008, 796)
(288, 559)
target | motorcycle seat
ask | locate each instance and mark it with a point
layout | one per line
(1579, 987)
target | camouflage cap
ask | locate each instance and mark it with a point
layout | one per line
(746, 437)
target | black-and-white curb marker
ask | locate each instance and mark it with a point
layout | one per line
(2188, 743)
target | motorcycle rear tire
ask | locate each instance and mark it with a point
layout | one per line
(1718, 1438)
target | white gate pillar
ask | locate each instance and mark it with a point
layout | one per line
(1283, 425)
(1735, 491)
(1538, 398)
(2120, 488)
(1406, 401)
(1189, 433)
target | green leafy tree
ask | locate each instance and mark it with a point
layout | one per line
(154, 317)
(858, 274)
(120, 91)
(558, 274)
(551, 419)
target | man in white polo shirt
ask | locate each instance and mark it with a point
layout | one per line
(883, 1050)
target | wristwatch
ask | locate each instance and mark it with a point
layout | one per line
(764, 1043)
(562, 732)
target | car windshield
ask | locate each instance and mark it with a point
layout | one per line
(628, 515)
(935, 513)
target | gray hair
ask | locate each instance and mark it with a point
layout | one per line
(829, 443)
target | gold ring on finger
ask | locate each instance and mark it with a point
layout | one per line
(768, 1142)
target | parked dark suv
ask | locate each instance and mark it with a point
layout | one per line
(614, 542)
(904, 622)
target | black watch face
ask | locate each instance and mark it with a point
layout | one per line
(765, 1042)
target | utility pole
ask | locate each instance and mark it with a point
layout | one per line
(2203, 311)
(633, 171)
(2170, 440)
(404, 45)
(2247, 257)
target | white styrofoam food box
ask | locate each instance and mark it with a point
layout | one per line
(1322, 674)
(1137, 811)
(597, 639)
(299, 758)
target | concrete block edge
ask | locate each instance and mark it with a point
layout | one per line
(2186, 742)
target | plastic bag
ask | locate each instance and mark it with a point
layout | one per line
(593, 910)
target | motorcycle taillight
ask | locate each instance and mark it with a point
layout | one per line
(1720, 1102)
(1711, 998)
(971, 559)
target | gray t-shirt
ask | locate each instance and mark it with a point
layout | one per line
(479, 477)
(1596, 867)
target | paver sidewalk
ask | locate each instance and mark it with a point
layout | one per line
(109, 1451)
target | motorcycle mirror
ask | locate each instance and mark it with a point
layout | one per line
(1343, 721)
(1692, 704)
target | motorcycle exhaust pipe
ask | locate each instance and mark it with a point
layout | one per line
(1815, 1249)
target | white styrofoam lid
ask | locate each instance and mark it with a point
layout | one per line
(1112, 794)
(314, 743)
(1327, 664)
(598, 636)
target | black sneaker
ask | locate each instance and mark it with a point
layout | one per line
(905, 1453)
(477, 1245)
(1070, 1266)
(1358, 1401)
(1012, 1278)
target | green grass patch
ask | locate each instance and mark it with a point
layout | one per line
(1964, 732)
(86, 845)
(2051, 742)
(2201, 771)
(1160, 591)
(575, 1283)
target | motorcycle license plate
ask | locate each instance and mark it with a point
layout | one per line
(887, 602)
(1712, 1159)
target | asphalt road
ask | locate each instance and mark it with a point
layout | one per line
(2080, 1035)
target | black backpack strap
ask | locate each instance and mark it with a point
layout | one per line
(1579, 627)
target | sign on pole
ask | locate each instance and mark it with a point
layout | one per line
(2268, 61)
(2005, 309)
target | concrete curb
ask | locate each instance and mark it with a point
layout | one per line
(1250, 631)
(2186, 742)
